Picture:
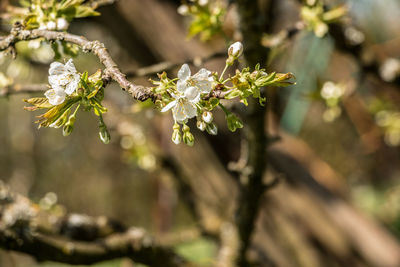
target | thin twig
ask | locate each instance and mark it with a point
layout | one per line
(111, 70)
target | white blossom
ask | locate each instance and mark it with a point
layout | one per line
(183, 10)
(189, 89)
(34, 44)
(55, 97)
(51, 25)
(64, 80)
(235, 50)
(203, 2)
(207, 117)
(62, 24)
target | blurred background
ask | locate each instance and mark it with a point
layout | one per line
(336, 153)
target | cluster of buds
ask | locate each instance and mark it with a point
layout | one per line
(332, 94)
(205, 123)
(60, 24)
(207, 17)
(51, 14)
(317, 19)
(187, 136)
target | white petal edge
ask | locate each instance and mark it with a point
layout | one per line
(184, 73)
(56, 68)
(73, 85)
(202, 74)
(69, 66)
(169, 106)
(55, 97)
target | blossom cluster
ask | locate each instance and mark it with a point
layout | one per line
(190, 96)
(64, 80)
(69, 89)
(52, 14)
(316, 18)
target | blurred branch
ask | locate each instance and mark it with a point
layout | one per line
(252, 23)
(98, 3)
(27, 228)
(23, 89)
(167, 66)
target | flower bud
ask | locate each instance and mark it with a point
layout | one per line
(207, 117)
(51, 25)
(67, 129)
(62, 24)
(69, 126)
(185, 128)
(203, 2)
(183, 10)
(104, 135)
(212, 129)
(201, 125)
(235, 50)
(176, 135)
(233, 122)
(188, 138)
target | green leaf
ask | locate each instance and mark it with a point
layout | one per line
(69, 3)
(85, 11)
(233, 94)
(38, 103)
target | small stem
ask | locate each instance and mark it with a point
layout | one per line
(223, 108)
(76, 110)
(223, 72)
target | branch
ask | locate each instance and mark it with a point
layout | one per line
(252, 24)
(23, 89)
(27, 228)
(111, 70)
(98, 3)
(167, 66)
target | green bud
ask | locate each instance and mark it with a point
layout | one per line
(185, 128)
(104, 135)
(176, 135)
(212, 129)
(233, 122)
(67, 129)
(188, 138)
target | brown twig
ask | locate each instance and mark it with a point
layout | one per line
(167, 66)
(111, 70)
(98, 3)
(26, 227)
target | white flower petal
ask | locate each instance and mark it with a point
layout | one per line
(204, 86)
(192, 94)
(184, 72)
(169, 106)
(181, 86)
(235, 50)
(202, 74)
(55, 97)
(56, 68)
(73, 85)
(184, 110)
(69, 66)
